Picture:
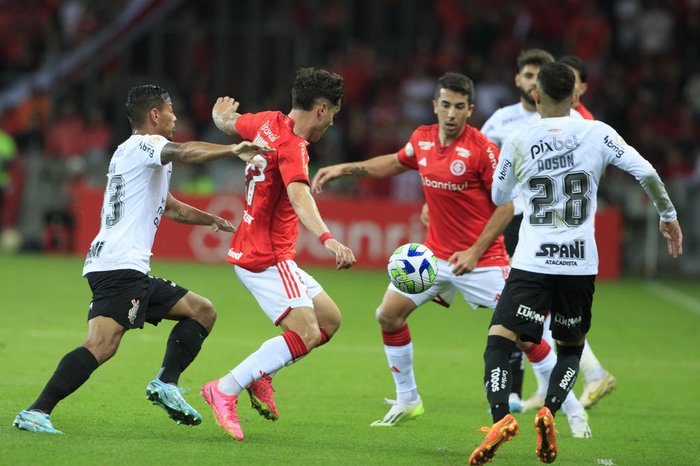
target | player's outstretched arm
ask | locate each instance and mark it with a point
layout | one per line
(200, 152)
(674, 237)
(224, 113)
(376, 167)
(184, 213)
(305, 207)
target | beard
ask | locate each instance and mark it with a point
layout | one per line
(526, 96)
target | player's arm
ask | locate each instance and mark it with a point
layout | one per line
(504, 180)
(305, 208)
(200, 152)
(376, 167)
(184, 213)
(466, 261)
(224, 113)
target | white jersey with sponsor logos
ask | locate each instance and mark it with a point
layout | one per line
(134, 201)
(506, 121)
(557, 164)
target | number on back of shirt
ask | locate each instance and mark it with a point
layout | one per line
(115, 206)
(576, 189)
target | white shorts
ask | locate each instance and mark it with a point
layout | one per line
(481, 287)
(280, 288)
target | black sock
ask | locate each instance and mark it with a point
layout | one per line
(517, 369)
(184, 343)
(563, 376)
(497, 380)
(72, 371)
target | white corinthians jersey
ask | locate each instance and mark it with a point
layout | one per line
(557, 164)
(508, 120)
(134, 201)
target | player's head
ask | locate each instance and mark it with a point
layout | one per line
(319, 92)
(529, 63)
(555, 86)
(580, 74)
(150, 110)
(454, 103)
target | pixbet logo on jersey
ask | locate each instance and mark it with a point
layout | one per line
(553, 144)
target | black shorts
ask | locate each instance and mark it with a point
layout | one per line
(131, 297)
(510, 234)
(527, 297)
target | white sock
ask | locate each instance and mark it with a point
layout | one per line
(590, 366)
(571, 405)
(400, 360)
(272, 355)
(543, 370)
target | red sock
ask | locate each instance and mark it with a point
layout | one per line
(324, 337)
(400, 337)
(538, 351)
(295, 343)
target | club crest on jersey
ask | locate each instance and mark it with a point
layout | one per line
(463, 152)
(458, 167)
(135, 303)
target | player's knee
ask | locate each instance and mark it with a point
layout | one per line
(205, 313)
(102, 347)
(311, 336)
(389, 321)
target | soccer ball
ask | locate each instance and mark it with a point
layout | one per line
(412, 268)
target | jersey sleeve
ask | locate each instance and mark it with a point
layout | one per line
(407, 154)
(504, 179)
(617, 152)
(488, 161)
(293, 163)
(149, 149)
(247, 126)
(490, 129)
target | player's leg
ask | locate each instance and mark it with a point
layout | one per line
(196, 316)
(398, 347)
(74, 369)
(598, 382)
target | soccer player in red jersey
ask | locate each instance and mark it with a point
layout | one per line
(456, 164)
(277, 197)
(581, 85)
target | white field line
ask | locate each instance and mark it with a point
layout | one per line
(675, 296)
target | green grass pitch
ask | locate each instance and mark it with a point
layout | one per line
(646, 333)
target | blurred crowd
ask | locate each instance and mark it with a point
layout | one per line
(642, 60)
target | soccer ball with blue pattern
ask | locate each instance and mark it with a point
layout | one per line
(412, 268)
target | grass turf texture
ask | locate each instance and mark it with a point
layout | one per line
(644, 335)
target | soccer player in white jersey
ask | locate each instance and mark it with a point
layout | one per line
(456, 163)
(557, 164)
(124, 297)
(504, 122)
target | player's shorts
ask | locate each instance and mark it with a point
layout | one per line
(131, 297)
(529, 296)
(511, 232)
(480, 287)
(280, 288)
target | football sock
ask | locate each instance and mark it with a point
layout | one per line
(324, 337)
(184, 343)
(543, 360)
(272, 355)
(72, 371)
(590, 366)
(497, 380)
(399, 354)
(517, 368)
(563, 376)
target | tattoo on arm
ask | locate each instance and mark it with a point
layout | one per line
(181, 215)
(226, 123)
(169, 152)
(358, 171)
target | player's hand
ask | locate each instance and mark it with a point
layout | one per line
(224, 114)
(249, 152)
(674, 237)
(323, 176)
(464, 261)
(221, 224)
(344, 257)
(424, 215)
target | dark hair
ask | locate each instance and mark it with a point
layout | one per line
(140, 99)
(537, 57)
(556, 80)
(575, 63)
(456, 82)
(312, 84)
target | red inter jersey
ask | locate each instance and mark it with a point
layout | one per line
(268, 233)
(457, 185)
